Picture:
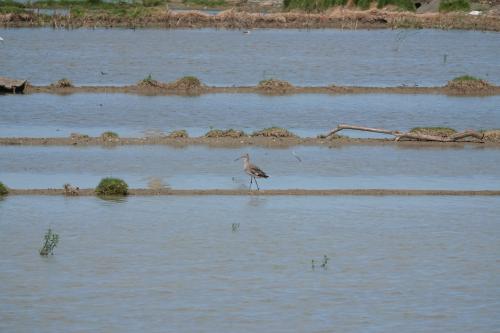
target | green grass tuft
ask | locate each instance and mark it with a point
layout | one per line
(454, 6)
(206, 3)
(109, 135)
(112, 186)
(313, 5)
(466, 78)
(408, 5)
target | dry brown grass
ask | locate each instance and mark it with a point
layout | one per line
(436, 131)
(274, 86)
(344, 18)
(178, 134)
(63, 83)
(230, 133)
(492, 135)
(275, 132)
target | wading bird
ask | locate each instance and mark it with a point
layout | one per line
(252, 170)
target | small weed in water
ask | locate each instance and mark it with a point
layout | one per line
(324, 263)
(235, 227)
(50, 242)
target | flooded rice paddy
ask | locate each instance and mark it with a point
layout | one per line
(244, 263)
(229, 57)
(199, 167)
(47, 115)
(173, 264)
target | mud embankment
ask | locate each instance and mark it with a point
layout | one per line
(231, 19)
(243, 141)
(165, 90)
(301, 192)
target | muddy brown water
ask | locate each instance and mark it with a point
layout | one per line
(158, 264)
(301, 167)
(230, 57)
(46, 115)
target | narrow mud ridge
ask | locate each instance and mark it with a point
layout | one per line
(234, 142)
(151, 90)
(301, 192)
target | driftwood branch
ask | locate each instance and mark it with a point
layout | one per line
(398, 135)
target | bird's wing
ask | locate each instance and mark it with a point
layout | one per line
(257, 172)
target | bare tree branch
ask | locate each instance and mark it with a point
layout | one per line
(398, 135)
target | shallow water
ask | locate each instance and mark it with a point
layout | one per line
(198, 167)
(227, 57)
(45, 115)
(155, 264)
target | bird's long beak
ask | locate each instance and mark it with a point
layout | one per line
(239, 158)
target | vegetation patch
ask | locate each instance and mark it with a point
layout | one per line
(274, 86)
(436, 131)
(313, 5)
(467, 83)
(275, 132)
(230, 133)
(109, 136)
(492, 135)
(78, 136)
(112, 186)
(407, 5)
(186, 83)
(63, 83)
(454, 6)
(178, 134)
(50, 241)
(149, 82)
(3, 189)
(206, 3)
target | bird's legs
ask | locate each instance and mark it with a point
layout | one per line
(251, 179)
(258, 189)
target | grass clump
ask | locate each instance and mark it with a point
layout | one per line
(50, 241)
(437, 131)
(491, 135)
(230, 133)
(276, 132)
(206, 3)
(466, 83)
(407, 5)
(313, 5)
(186, 83)
(178, 134)
(274, 86)
(454, 6)
(112, 186)
(79, 136)
(3, 189)
(63, 83)
(109, 136)
(148, 81)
